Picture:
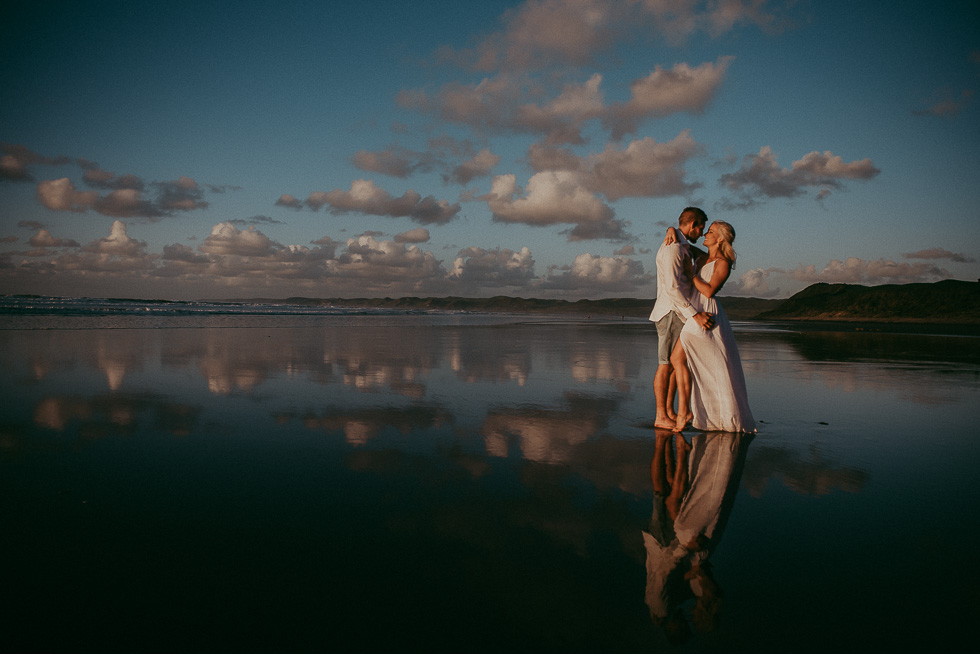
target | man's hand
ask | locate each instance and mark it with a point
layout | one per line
(706, 320)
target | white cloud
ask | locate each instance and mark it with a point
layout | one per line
(289, 201)
(948, 107)
(98, 178)
(44, 239)
(493, 268)
(499, 104)
(548, 157)
(12, 168)
(553, 198)
(183, 194)
(385, 262)
(824, 167)
(16, 160)
(664, 92)
(256, 220)
(400, 162)
(417, 235)
(940, 253)
(125, 200)
(562, 118)
(226, 239)
(644, 168)
(568, 34)
(593, 273)
(365, 197)
(479, 165)
(677, 20)
(761, 177)
(395, 161)
(541, 33)
(183, 253)
(61, 195)
(753, 283)
(116, 255)
(126, 203)
(859, 271)
(386, 163)
(487, 104)
(117, 243)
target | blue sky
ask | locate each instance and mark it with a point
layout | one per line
(272, 149)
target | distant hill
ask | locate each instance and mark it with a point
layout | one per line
(947, 302)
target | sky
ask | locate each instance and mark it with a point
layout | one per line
(199, 150)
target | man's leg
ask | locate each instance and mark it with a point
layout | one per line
(668, 331)
(661, 386)
(678, 483)
(683, 375)
(661, 466)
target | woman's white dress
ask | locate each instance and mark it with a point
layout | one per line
(718, 397)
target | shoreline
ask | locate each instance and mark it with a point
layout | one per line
(611, 310)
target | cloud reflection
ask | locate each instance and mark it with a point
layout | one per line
(114, 415)
(359, 426)
(546, 435)
(399, 361)
(810, 474)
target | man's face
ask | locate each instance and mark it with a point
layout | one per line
(695, 231)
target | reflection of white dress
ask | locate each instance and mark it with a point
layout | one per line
(718, 397)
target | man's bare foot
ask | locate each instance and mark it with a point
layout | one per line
(682, 422)
(665, 423)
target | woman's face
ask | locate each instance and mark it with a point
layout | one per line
(710, 238)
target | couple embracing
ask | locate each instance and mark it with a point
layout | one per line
(697, 350)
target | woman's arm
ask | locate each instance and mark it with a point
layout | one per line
(671, 236)
(723, 268)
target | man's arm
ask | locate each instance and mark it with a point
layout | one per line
(675, 277)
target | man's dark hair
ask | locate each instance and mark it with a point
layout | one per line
(699, 214)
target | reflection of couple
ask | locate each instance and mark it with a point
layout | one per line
(693, 497)
(696, 343)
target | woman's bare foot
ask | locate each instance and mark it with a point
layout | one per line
(682, 422)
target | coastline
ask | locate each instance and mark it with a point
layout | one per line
(950, 307)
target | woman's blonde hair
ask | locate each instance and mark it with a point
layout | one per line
(725, 234)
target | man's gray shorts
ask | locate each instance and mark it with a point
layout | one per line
(668, 331)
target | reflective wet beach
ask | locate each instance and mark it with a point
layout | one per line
(442, 484)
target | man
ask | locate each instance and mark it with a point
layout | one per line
(673, 307)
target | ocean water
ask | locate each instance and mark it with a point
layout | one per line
(216, 476)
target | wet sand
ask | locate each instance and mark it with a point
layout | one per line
(470, 483)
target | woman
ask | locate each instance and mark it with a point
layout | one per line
(710, 384)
